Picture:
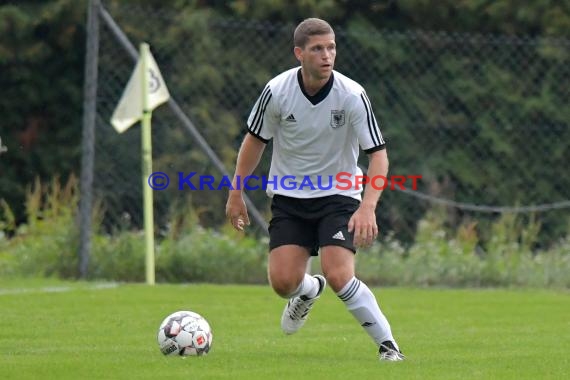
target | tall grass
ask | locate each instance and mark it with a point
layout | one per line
(46, 244)
(458, 257)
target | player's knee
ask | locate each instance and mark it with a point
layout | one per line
(283, 286)
(337, 279)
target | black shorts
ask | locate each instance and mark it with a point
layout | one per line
(313, 222)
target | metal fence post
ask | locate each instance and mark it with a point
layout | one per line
(88, 137)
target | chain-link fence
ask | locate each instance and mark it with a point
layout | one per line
(483, 119)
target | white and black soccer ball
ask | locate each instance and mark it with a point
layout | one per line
(185, 333)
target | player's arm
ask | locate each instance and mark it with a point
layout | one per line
(260, 125)
(363, 222)
(377, 167)
(248, 158)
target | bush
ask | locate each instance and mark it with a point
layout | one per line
(436, 258)
(208, 256)
(47, 244)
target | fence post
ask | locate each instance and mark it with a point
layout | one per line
(88, 137)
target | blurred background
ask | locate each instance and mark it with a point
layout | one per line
(471, 95)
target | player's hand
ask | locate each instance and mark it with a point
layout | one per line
(236, 210)
(363, 224)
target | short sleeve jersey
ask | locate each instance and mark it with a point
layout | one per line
(316, 139)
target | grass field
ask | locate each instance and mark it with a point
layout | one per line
(62, 330)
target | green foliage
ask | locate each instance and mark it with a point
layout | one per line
(41, 61)
(456, 257)
(46, 244)
(42, 52)
(547, 17)
(207, 256)
(186, 252)
(462, 114)
(118, 257)
(197, 255)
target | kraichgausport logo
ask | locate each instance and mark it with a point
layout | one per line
(340, 181)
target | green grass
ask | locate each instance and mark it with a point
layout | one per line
(62, 330)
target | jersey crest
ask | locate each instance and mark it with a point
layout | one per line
(337, 118)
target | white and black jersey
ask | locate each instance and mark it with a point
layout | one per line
(314, 137)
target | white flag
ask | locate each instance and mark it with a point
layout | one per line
(130, 107)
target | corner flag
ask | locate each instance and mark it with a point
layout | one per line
(130, 107)
(144, 92)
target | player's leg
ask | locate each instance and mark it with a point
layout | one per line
(291, 240)
(337, 262)
(287, 265)
(338, 268)
(286, 271)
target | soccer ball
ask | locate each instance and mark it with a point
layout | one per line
(185, 333)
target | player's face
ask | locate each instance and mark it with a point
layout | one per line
(318, 56)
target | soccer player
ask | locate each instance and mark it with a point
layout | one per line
(318, 119)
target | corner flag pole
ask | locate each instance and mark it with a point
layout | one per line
(146, 141)
(145, 91)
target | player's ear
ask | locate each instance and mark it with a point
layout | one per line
(298, 53)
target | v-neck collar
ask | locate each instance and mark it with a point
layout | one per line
(321, 94)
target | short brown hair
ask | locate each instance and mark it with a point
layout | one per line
(310, 27)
